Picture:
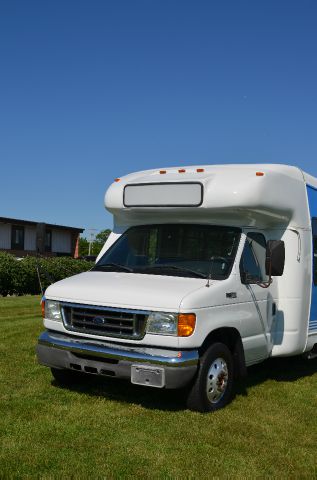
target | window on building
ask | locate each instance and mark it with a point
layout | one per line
(252, 266)
(48, 240)
(314, 224)
(17, 237)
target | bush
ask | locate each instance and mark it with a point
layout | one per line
(8, 267)
(20, 277)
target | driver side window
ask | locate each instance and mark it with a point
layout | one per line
(252, 265)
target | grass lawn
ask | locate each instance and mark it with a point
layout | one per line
(111, 429)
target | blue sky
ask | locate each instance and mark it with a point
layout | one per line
(91, 90)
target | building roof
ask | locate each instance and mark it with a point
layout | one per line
(17, 221)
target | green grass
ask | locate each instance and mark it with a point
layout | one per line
(111, 429)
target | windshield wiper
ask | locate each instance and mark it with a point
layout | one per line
(175, 267)
(117, 266)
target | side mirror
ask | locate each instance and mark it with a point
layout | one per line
(244, 277)
(275, 258)
(247, 278)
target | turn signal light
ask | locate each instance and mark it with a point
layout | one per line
(181, 170)
(117, 179)
(186, 324)
(43, 307)
(162, 172)
(199, 170)
(259, 174)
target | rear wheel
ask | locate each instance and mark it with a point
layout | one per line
(213, 386)
(66, 377)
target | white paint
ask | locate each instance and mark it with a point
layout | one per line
(233, 194)
(274, 204)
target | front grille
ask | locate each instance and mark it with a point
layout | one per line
(109, 322)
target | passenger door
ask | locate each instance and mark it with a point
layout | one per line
(258, 308)
(313, 308)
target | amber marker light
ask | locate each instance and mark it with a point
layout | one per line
(186, 324)
(200, 170)
(117, 179)
(259, 174)
(43, 306)
(162, 172)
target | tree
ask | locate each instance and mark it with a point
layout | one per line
(100, 240)
(96, 245)
(102, 236)
(83, 246)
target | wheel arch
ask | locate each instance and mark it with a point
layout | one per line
(232, 339)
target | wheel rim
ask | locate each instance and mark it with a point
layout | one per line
(217, 380)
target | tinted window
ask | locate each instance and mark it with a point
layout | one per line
(173, 249)
(48, 240)
(17, 238)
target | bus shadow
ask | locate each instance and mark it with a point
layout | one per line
(123, 391)
(278, 369)
(287, 369)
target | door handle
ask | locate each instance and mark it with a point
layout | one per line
(231, 294)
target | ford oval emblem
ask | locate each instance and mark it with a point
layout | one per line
(99, 320)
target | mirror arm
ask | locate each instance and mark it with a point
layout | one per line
(270, 280)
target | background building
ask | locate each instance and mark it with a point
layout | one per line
(24, 237)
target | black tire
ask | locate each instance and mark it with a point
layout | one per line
(66, 377)
(216, 368)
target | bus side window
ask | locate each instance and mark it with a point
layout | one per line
(314, 225)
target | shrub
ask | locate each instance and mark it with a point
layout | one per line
(20, 277)
(8, 267)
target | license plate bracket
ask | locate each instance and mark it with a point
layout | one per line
(148, 375)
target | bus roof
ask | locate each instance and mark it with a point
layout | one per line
(243, 194)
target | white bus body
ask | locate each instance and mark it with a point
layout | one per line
(181, 292)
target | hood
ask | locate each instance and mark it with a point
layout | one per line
(128, 290)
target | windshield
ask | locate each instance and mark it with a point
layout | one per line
(200, 251)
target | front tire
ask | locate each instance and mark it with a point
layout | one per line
(213, 386)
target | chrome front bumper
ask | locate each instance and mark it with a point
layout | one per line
(109, 359)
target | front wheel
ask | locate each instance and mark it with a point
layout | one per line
(213, 386)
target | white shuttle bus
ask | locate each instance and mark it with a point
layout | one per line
(208, 270)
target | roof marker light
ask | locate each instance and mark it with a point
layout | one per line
(162, 171)
(181, 170)
(259, 174)
(199, 170)
(117, 179)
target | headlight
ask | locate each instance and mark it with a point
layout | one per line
(53, 310)
(162, 323)
(181, 325)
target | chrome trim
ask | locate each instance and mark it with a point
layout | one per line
(217, 380)
(157, 356)
(102, 307)
(68, 325)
